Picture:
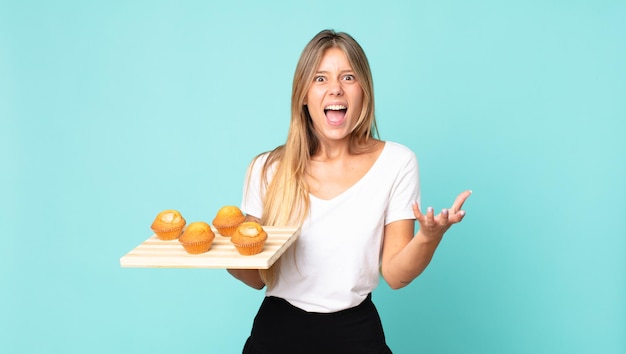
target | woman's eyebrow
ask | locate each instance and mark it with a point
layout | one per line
(340, 72)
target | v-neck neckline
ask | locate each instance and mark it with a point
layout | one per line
(355, 184)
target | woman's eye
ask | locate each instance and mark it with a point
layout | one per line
(319, 79)
(349, 77)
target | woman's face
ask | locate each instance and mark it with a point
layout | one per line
(335, 97)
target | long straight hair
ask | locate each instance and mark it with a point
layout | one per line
(286, 200)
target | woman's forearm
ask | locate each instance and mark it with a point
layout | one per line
(410, 262)
(250, 277)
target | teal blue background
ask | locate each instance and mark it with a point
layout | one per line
(114, 110)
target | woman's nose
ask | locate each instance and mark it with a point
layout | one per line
(335, 88)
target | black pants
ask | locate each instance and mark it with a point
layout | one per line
(281, 328)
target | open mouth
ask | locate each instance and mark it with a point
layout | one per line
(335, 113)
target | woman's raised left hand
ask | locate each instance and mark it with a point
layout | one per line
(434, 226)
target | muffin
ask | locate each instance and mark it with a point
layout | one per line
(168, 225)
(197, 237)
(249, 238)
(227, 220)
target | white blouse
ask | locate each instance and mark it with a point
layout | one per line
(335, 262)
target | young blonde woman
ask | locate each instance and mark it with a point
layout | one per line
(356, 199)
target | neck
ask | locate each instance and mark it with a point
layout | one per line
(332, 150)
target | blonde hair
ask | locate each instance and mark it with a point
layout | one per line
(286, 200)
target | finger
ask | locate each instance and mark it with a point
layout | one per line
(457, 217)
(443, 217)
(417, 212)
(460, 199)
(430, 216)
